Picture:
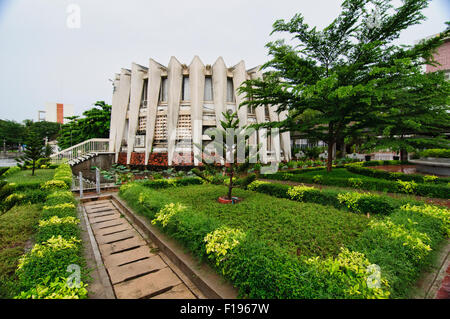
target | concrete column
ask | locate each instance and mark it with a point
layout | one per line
(197, 88)
(154, 85)
(260, 118)
(114, 111)
(275, 137)
(285, 139)
(219, 79)
(175, 78)
(137, 84)
(239, 76)
(122, 104)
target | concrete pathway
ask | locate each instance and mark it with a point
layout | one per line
(135, 269)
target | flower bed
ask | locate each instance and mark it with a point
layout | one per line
(343, 178)
(44, 272)
(277, 248)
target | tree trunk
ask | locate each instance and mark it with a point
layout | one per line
(403, 155)
(230, 187)
(32, 172)
(330, 155)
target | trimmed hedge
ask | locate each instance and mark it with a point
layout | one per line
(172, 182)
(353, 201)
(436, 152)
(43, 271)
(256, 269)
(377, 173)
(427, 190)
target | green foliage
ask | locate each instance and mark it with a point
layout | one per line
(221, 241)
(163, 216)
(436, 152)
(60, 197)
(340, 178)
(54, 185)
(66, 227)
(94, 124)
(366, 203)
(49, 258)
(57, 289)
(402, 244)
(60, 210)
(172, 182)
(351, 79)
(16, 227)
(34, 149)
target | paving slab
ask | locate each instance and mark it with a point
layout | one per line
(127, 256)
(109, 239)
(147, 286)
(108, 224)
(177, 292)
(95, 220)
(112, 230)
(141, 267)
(122, 245)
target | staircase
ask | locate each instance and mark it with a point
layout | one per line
(81, 152)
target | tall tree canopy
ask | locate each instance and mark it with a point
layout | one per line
(347, 78)
(93, 124)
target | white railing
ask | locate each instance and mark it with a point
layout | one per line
(94, 145)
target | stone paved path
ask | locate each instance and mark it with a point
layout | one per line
(135, 269)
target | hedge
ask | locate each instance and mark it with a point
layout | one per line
(397, 175)
(353, 201)
(427, 190)
(172, 182)
(43, 271)
(257, 270)
(436, 152)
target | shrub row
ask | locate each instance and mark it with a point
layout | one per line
(401, 244)
(404, 243)
(356, 202)
(397, 175)
(436, 152)
(44, 272)
(256, 269)
(172, 182)
(427, 190)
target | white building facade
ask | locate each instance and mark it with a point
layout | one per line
(159, 112)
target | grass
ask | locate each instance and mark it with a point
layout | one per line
(16, 227)
(24, 177)
(299, 228)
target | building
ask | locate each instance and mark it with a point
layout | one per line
(159, 112)
(442, 56)
(56, 112)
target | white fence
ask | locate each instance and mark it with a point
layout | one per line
(94, 145)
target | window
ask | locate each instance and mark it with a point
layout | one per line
(251, 110)
(266, 111)
(144, 94)
(185, 96)
(230, 90)
(163, 90)
(208, 95)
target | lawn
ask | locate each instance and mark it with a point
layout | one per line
(16, 227)
(24, 177)
(299, 228)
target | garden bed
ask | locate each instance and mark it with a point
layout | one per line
(272, 247)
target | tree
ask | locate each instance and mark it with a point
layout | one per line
(34, 149)
(44, 129)
(11, 132)
(340, 81)
(229, 147)
(418, 117)
(94, 124)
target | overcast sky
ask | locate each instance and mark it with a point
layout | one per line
(43, 60)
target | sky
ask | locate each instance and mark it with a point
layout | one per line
(45, 56)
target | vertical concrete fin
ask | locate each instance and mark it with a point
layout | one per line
(239, 76)
(114, 111)
(285, 138)
(261, 118)
(197, 89)
(137, 84)
(219, 79)
(154, 85)
(122, 107)
(275, 137)
(175, 78)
